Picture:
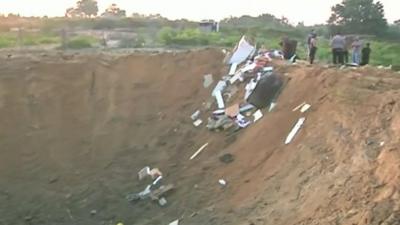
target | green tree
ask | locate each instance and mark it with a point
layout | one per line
(358, 16)
(83, 8)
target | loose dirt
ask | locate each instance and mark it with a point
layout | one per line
(76, 129)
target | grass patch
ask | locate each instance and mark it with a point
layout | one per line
(82, 42)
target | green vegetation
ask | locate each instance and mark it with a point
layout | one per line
(82, 42)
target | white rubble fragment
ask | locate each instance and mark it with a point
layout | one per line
(222, 182)
(257, 115)
(305, 108)
(271, 107)
(220, 100)
(144, 172)
(233, 68)
(198, 151)
(299, 106)
(176, 222)
(162, 201)
(295, 129)
(197, 122)
(195, 115)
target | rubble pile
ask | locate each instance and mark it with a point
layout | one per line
(251, 75)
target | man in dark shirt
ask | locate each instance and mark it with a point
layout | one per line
(366, 51)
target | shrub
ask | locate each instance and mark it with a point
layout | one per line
(81, 42)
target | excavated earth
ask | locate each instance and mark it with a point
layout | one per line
(76, 128)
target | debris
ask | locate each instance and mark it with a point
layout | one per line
(257, 115)
(219, 112)
(233, 69)
(250, 88)
(162, 201)
(246, 108)
(382, 143)
(222, 182)
(155, 182)
(176, 222)
(144, 172)
(220, 100)
(236, 77)
(242, 51)
(268, 69)
(93, 212)
(156, 194)
(298, 107)
(295, 129)
(154, 173)
(232, 111)
(305, 108)
(198, 151)
(227, 158)
(141, 195)
(197, 122)
(223, 122)
(271, 107)
(220, 87)
(241, 121)
(208, 80)
(195, 115)
(265, 91)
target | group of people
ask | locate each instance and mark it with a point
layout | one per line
(340, 50)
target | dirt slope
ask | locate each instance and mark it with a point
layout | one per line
(75, 130)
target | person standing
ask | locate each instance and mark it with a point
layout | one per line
(309, 37)
(338, 44)
(356, 48)
(313, 48)
(366, 51)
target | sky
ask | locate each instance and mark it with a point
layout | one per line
(308, 11)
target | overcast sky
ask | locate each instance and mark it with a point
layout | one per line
(308, 11)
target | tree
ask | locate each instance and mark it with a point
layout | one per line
(114, 11)
(83, 8)
(397, 22)
(88, 7)
(73, 12)
(359, 16)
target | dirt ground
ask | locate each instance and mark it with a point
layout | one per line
(75, 129)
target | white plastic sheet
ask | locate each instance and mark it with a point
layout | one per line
(243, 50)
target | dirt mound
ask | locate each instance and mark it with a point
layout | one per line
(75, 130)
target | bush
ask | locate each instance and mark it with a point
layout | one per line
(137, 42)
(81, 42)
